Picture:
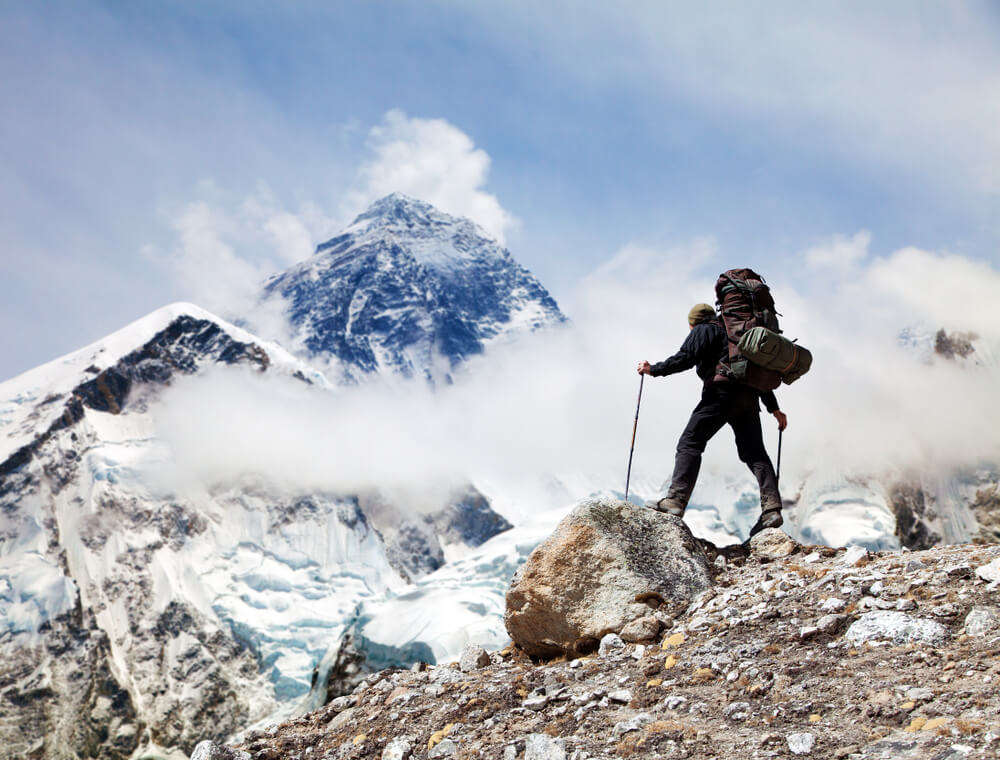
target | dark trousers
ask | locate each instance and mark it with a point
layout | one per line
(723, 403)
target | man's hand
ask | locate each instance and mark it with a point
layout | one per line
(781, 417)
(645, 369)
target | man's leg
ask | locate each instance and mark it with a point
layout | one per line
(706, 420)
(750, 446)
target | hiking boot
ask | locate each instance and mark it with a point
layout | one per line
(668, 506)
(769, 518)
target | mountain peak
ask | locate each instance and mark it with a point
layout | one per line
(406, 286)
(402, 216)
(397, 200)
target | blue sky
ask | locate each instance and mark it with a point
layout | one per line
(137, 137)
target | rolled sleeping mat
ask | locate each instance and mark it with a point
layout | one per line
(770, 350)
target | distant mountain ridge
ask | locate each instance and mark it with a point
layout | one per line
(408, 289)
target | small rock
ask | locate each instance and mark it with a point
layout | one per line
(444, 675)
(624, 696)
(959, 571)
(512, 750)
(535, 704)
(473, 658)
(876, 588)
(772, 543)
(342, 703)
(737, 711)
(981, 620)
(945, 610)
(831, 624)
(905, 605)
(341, 719)
(833, 604)
(919, 694)
(609, 643)
(399, 748)
(209, 750)
(896, 627)
(807, 632)
(632, 724)
(543, 747)
(801, 744)
(852, 557)
(990, 572)
(643, 629)
(674, 701)
(444, 748)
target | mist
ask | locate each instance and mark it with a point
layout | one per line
(559, 404)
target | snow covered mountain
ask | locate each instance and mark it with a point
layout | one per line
(409, 289)
(140, 611)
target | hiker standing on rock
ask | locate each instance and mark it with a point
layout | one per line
(723, 400)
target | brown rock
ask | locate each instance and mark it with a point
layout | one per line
(585, 579)
(644, 629)
(772, 543)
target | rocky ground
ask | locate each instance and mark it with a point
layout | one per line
(795, 651)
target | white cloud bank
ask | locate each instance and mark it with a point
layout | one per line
(562, 403)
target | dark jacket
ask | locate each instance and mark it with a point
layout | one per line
(704, 346)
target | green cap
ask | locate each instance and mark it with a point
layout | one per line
(701, 312)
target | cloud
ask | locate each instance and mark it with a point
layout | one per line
(944, 289)
(225, 247)
(881, 84)
(434, 161)
(206, 265)
(840, 252)
(560, 404)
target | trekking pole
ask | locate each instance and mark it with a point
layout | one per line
(635, 425)
(777, 475)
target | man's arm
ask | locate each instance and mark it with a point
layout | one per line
(771, 404)
(685, 358)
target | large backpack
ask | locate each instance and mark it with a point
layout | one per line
(757, 354)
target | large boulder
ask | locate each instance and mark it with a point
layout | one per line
(607, 564)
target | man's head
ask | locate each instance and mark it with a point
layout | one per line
(699, 313)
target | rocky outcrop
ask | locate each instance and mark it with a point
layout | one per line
(913, 516)
(750, 669)
(607, 564)
(415, 537)
(62, 698)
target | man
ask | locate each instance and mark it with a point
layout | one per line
(722, 402)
